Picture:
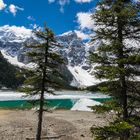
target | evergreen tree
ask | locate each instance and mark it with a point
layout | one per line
(45, 75)
(118, 60)
(8, 74)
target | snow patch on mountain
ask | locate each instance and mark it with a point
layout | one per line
(14, 33)
(12, 60)
(74, 51)
(82, 77)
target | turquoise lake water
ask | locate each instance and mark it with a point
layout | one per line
(62, 99)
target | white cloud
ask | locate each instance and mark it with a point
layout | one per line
(13, 9)
(36, 27)
(62, 3)
(2, 5)
(84, 20)
(51, 1)
(83, 1)
(82, 35)
(31, 18)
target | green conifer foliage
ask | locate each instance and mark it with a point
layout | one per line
(8, 74)
(118, 62)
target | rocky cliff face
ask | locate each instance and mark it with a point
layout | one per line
(12, 40)
(73, 48)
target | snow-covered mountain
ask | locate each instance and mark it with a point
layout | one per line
(74, 50)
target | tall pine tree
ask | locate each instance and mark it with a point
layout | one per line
(45, 75)
(117, 57)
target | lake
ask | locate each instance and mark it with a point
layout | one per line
(63, 99)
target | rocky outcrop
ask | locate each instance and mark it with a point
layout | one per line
(73, 50)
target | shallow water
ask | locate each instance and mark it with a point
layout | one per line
(12, 95)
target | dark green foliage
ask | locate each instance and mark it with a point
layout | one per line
(54, 78)
(108, 106)
(45, 74)
(114, 131)
(8, 74)
(118, 60)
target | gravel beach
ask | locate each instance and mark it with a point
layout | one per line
(60, 124)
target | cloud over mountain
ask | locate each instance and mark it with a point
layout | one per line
(84, 20)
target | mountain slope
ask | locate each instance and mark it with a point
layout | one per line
(8, 74)
(73, 50)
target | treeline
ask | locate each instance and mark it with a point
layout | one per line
(8, 72)
(9, 76)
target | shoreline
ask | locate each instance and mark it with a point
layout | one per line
(73, 125)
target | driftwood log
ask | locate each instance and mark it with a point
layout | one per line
(47, 137)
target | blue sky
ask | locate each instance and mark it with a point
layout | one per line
(60, 15)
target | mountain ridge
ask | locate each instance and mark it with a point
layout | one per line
(74, 50)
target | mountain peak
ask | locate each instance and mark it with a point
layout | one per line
(69, 33)
(73, 48)
(14, 33)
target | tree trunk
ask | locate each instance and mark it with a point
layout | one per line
(125, 135)
(40, 117)
(41, 105)
(122, 80)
